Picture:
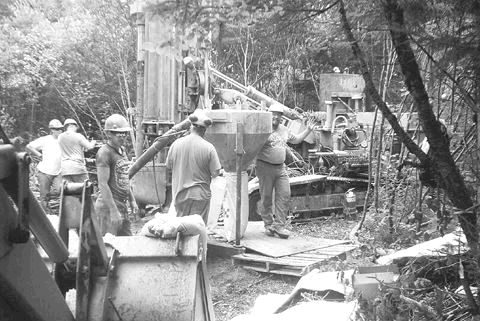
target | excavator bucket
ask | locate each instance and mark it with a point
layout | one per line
(149, 279)
(132, 277)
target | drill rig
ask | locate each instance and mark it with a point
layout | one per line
(172, 82)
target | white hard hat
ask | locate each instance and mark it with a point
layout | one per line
(69, 121)
(55, 124)
(117, 123)
(275, 108)
(200, 119)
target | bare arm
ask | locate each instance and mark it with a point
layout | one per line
(103, 174)
(33, 151)
(86, 144)
(298, 138)
(132, 201)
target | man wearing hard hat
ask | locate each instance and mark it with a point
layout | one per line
(272, 174)
(193, 162)
(113, 183)
(47, 150)
(73, 145)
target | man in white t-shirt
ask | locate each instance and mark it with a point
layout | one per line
(47, 150)
(73, 145)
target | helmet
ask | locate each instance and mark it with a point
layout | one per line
(55, 124)
(69, 121)
(117, 123)
(275, 107)
(199, 118)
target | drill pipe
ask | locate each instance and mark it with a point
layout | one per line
(157, 146)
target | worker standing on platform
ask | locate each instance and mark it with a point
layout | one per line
(73, 145)
(272, 174)
(193, 162)
(113, 184)
(47, 150)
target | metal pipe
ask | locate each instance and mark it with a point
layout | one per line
(256, 95)
(140, 22)
(259, 96)
(239, 152)
(157, 146)
(227, 79)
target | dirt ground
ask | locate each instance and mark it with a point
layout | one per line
(235, 289)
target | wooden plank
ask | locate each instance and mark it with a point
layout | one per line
(275, 271)
(268, 260)
(340, 248)
(268, 267)
(319, 257)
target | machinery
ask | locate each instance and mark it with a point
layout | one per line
(141, 278)
(173, 82)
(124, 278)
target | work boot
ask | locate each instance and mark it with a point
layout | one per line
(282, 232)
(269, 231)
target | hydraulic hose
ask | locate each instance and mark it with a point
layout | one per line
(157, 146)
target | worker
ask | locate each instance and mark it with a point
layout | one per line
(47, 150)
(73, 145)
(193, 162)
(272, 174)
(113, 184)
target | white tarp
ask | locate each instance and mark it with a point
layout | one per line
(452, 243)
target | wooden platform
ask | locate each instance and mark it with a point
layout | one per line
(256, 241)
(297, 264)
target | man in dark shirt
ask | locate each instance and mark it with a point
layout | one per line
(272, 174)
(113, 184)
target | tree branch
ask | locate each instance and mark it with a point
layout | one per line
(372, 91)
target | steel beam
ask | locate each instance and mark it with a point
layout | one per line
(27, 290)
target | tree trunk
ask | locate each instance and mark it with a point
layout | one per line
(442, 161)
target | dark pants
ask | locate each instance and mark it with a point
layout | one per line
(273, 178)
(190, 206)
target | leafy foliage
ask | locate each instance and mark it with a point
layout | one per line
(64, 59)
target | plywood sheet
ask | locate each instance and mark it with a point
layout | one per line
(256, 240)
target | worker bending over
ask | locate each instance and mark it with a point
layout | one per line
(73, 145)
(193, 162)
(113, 184)
(272, 174)
(47, 149)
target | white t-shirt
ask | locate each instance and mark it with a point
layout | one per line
(51, 154)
